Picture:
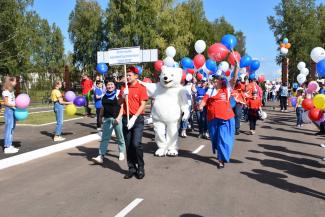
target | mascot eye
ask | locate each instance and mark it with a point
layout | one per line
(172, 75)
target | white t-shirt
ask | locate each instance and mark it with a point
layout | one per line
(10, 95)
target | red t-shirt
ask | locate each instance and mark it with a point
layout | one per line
(87, 85)
(137, 93)
(239, 96)
(218, 106)
(254, 103)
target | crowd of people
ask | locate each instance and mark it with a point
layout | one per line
(218, 107)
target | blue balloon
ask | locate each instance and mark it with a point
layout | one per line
(295, 85)
(211, 65)
(245, 61)
(140, 70)
(230, 41)
(102, 68)
(252, 76)
(187, 62)
(321, 68)
(293, 101)
(255, 64)
(286, 40)
(232, 102)
(21, 114)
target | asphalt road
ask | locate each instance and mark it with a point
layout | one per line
(276, 172)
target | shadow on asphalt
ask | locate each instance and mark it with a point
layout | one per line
(92, 126)
(47, 133)
(290, 168)
(16, 144)
(88, 153)
(278, 180)
(278, 138)
(286, 150)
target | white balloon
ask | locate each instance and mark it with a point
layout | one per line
(304, 71)
(189, 77)
(301, 78)
(200, 46)
(170, 51)
(284, 50)
(205, 69)
(224, 66)
(169, 61)
(301, 65)
(317, 54)
(219, 72)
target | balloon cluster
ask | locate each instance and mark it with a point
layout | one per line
(302, 76)
(221, 61)
(314, 108)
(318, 56)
(285, 46)
(22, 102)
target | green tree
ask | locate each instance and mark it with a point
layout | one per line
(297, 20)
(86, 33)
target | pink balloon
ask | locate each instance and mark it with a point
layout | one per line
(261, 78)
(22, 101)
(312, 86)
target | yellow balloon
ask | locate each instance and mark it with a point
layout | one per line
(319, 101)
(71, 109)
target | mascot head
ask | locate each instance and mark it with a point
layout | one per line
(170, 76)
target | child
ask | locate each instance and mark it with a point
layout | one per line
(98, 94)
(8, 96)
(299, 109)
(58, 102)
(112, 112)
(254, 104)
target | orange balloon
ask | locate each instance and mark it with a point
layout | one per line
(288, 45)
(282, 45)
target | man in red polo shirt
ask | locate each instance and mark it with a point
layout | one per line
(133, 129)
(87, 85)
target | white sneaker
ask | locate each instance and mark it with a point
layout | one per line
(99, 129)
(121, 156)
(99, 159)
(11, 150)
(322, 145)
(183, 134)
(207, 136)
(58, 139)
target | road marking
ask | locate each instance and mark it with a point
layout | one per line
(42, 152)
(40, 125)
(198, 149)
(129, 207)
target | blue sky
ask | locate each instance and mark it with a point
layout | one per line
(248, 16)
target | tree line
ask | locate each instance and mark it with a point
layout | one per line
(303, 23)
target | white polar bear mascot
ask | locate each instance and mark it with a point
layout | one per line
(170, 100)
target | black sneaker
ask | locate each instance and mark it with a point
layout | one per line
(140, 174)
(129, 175)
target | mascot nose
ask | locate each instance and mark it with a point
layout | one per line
(165, 78)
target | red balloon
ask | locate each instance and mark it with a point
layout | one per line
(199, 76)
(199, 61)
(261, 78)
(191, 71)
(158, 64)
(227, 73)
(147, 80)
(218, 52)
(234, 57)
(307, 104)
(184, 76)
(315, 114)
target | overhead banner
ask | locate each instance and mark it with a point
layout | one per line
(122, 56)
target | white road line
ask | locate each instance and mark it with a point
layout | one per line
(40, 125)
(129, 207)
(198, 149)
(42, 152)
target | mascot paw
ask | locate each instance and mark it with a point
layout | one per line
(172, 152)
(161, 152)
